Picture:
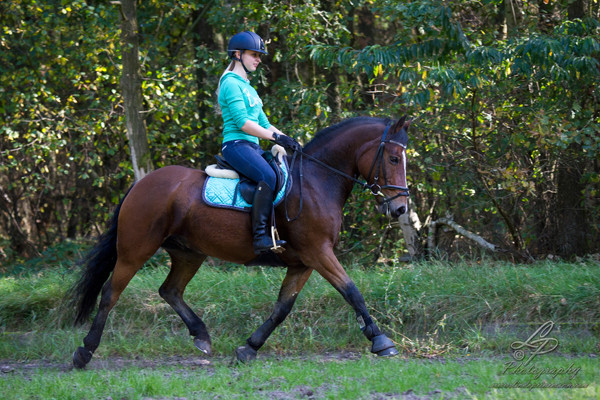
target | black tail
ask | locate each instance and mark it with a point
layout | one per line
(97, 267)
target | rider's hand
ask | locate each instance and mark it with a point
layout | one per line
(287, 142)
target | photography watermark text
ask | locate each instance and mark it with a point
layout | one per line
(528, 374)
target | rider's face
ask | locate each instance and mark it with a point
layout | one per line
(251, 59)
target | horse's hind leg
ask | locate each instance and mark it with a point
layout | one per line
(183, 269)
(292, 284)
(111, 291)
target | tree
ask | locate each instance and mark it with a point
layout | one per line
(131, 86)
(569, 217)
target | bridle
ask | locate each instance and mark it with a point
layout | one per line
(376, 166)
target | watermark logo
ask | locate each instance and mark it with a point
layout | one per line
(528, 373)
(537, 343)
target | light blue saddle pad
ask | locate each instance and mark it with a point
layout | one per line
(224, 193)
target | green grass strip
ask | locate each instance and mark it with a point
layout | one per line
(321, 378)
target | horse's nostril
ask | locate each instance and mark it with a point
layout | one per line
(400, 211)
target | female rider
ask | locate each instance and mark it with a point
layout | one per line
(244, 123)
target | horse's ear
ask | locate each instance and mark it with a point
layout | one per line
(402, 123)
(398, 125)
(399, 131)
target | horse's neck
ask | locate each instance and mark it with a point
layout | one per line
(343, 152)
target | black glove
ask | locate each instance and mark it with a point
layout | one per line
(287, 142)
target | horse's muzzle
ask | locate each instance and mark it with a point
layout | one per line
(390, 211)
(398, 211)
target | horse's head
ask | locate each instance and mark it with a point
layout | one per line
(383, 164)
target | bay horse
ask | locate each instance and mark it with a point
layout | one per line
(165, 209)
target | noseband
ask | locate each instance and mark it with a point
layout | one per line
(376, 166)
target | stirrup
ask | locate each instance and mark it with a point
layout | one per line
(266, 244)
(277, 249)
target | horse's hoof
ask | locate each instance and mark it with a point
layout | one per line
(383, 346)
(81, 357)
(391, 352)
(245, 354)
(203, 346)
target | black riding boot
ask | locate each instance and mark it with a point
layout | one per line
(261, 219)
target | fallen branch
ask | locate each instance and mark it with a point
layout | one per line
(449, 221)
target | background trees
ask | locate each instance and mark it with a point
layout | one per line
(505, 96)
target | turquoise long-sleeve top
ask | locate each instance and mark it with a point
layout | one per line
(239, 103)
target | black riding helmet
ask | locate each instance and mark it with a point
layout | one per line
(246, 41)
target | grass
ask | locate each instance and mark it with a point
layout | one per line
(429, 309)
(468, 313)
(272, 378)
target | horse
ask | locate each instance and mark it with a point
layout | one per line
(165, 209)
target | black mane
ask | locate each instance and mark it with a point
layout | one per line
(326, 134)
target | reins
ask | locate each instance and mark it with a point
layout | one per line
(375, 188)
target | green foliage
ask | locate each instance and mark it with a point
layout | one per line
(496, 116)
(502, 102)
(58, 107)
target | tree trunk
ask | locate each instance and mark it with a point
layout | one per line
(332, 76)
(546, 20)
(19, 239)
(569, 219)
(511, 11)
(576, 9)
(500, 21)
(365, 34)
(203, 38)
(569, 215)
(334, 101)
(411, 225)
(131, 86)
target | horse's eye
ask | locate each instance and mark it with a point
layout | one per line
(394, 160)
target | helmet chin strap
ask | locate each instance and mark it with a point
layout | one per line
(242, 62)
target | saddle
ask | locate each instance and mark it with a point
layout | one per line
(227, 188)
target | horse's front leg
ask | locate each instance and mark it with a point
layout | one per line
(327, 264)
(293, 282)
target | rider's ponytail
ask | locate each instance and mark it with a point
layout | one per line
(228, 69)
